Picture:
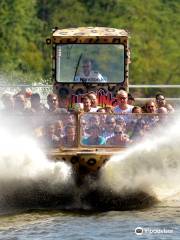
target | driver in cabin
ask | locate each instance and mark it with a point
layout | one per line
(87, 74)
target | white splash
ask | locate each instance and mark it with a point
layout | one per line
(23, 163)
(152, 166)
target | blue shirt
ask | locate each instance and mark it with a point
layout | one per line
(100, 141)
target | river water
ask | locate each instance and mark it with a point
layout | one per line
(136, 197)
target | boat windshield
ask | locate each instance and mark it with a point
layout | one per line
(86, 130)
(90, 63)
(117, 130)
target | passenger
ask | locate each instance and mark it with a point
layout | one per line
(87, 74)
(123, 106)
(131, 99)
(69, 119)
(137, 110)
(49, 139)
(94, 101)
(26, 92)
(69, 139)
(52, 101)
(94, 137)
(161, 102)
(20, 104)
(8, 103)
(110, 126)
(87, 105)
(102, 117)
(137, 114)
(83, 126)
(36, 106)
(131, 127)
(59, 129)
(133, 119)
(141, 129)
(120, 138)
(35, 114)
(150, 107)
(94, 119)
(121, 122)
(90, 119)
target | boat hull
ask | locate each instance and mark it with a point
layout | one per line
(84, 161)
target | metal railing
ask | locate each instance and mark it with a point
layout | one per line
(154, 86)
(43, 90)
(157, 86)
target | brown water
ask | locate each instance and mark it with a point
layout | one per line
(86, 225)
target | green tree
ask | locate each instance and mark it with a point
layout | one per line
(153, 26)
(19, 31)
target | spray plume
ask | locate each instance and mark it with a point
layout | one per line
(152, 166)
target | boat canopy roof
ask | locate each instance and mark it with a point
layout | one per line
(82, 34)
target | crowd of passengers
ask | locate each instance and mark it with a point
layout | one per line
(55, 126)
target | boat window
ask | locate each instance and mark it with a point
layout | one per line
(116, 130)
(90, 63)
(60, 131)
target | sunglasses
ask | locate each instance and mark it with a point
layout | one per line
(118, 133)
(160, 99)
(110, 122)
